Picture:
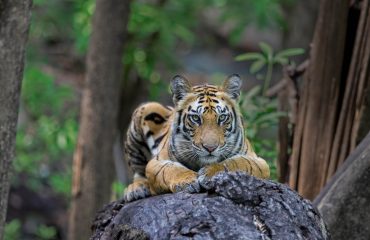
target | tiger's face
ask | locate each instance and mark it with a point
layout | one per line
(207, 127)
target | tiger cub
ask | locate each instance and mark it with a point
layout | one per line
(181, 148)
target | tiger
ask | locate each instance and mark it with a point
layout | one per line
(180, 148)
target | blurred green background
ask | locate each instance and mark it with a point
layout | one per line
(205, 40)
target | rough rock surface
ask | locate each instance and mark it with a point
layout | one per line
(233, 206)
(344, 203)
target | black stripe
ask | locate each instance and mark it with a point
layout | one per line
(158, 140)
(237, 143)
(148, 134)
(137, 141)
(135, 150)
(179, 118)
(135, 126)
(164, 165)
(186, 137)
(235, 118)
(184, 129)
(155, 117)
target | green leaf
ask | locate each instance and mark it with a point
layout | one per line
(289, 52)
(271, 117)
(249, 56)
(266, 49)
(281, 60)
(45, 232)
(256, 66)
(12, 230)
(184, 33)
(61, 183)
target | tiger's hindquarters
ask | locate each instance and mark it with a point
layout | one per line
(147, 128)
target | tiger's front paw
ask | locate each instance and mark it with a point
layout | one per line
(136, 190)
(187, 183)
(206, 173)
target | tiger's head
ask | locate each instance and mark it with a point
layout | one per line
(207, 127)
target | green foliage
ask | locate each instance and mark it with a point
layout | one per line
(155, 30)
(259, 111)
(49, 133)
(41, 95)
(12, 230)
(240, 13)
(261, 115)
(82, 14)
(51, 18)
(267, 58)
(61, 20)
(46, 233)
(117, 189)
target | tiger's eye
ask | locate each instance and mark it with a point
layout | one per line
(195, 118)
(223, 117)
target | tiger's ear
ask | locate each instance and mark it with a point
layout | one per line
(180, 87)
(232, 86)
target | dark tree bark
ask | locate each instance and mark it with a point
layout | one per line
(300, 18)
(330, 108)
(14, 24)
(93, 165)
(364, 126)
(287, 93)
(316, 118)
(357, 80)
(236, 206)
(345, 200)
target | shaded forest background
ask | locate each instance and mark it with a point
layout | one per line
(198, 38)
(266, 42)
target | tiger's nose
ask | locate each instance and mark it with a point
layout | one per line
(209, 148)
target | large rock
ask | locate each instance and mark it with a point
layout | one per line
(235, 206)
(345, 201)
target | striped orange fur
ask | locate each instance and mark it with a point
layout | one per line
(180, 148)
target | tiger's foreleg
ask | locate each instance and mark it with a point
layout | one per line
(169, 176)
(253, 165)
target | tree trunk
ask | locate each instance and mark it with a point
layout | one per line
(93, 165)
(345, 200)
(364, 126)
(300, 18)
(236, 206)
(316, 118)
(14, 24)
(333, 95)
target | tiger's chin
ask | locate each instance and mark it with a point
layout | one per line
(208, 159)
